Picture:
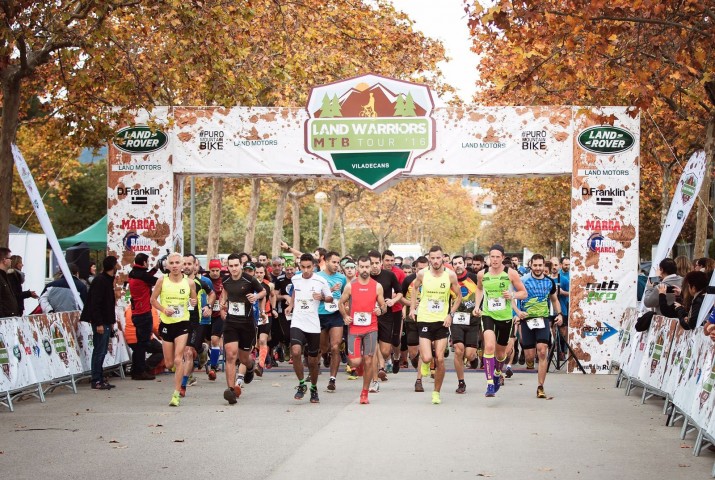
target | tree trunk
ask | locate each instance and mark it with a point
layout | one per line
(252, 214)
(332, 215)
(10, 109)
(215, 218)
(283, 190)
(343, 243)
(701, 219)
(295, 216)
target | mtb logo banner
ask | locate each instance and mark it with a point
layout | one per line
(370, 128)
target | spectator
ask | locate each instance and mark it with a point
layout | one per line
(667, 273)
(141, 281)
(99, 311)
(8, 299)
(693, 290)
(155, 351)
(706, 265)
(682, 264)
(57, 296)
(563, 285)
(17, 277)
(478, 263)
(92, 272)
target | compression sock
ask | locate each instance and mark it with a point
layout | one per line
(489, 364)
(213, 356)
(313, 386)
(184, 381)
(262, 353)
(301, 382)
(499, 364)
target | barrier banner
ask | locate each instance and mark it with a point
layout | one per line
(678, 359)
(54, 335)
(15, 357)
(655, 363)
(703, 401)
(626, 338)
(85, 344)
(116, 350)
(687, 384)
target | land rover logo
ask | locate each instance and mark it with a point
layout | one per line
(605, 139)
(139, 139)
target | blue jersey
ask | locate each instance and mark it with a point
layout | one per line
(538, 290)
(564, 284)
(335, 279)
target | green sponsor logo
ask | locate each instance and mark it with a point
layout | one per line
(370, 128)
(605, 139)
(140, 139)
(690, 184)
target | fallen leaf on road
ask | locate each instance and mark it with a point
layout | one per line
(546, 469)
(179, 441)
(113, 441)
(121, 446)
(680, 464)
(275, 385)
(484, 475)
(684, 445)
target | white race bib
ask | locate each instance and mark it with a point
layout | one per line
(262, 320)
(332, 306)
(534, 323)
(362, 319)
(216, 307)
(289, 317)
(435, 306)
(495, 304)
(178, 311)
(461, 318)
(305, 306)
(237, 308)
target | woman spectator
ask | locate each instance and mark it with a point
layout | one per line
(16, 278)
(683, 265)
(706, 265)
(693, 292)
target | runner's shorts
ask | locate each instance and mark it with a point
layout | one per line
(362, 344)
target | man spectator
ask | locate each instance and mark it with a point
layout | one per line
(57, 296)
(478, 263)
(8, 299)
(519, 268)
(99, 311)
(141, 281)
(564, 286)
(667, 273)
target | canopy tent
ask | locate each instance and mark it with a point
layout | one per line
(95, 236)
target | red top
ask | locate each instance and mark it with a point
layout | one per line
(400, 274)
(362, 303)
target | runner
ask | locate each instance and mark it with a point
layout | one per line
(266, 320)
(359, 311)
(285, 289)
(199, 320)
(435, 314)
(392, 291)
(309, 290)
(172, 296)
(239, 330)
(465, 327)
(216, 277)
(494, 287)
(532, 317)
(388, 263)
(411, 335)
(331, 321)
(349, 269)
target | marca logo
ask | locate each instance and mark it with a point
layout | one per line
(603, 196)
(139, 139)
(605, 139)
(603, 291)
(603, 225)
(138, 196)
(133, 242)
(370, 128)
(139, 224)
(599, 244)
(689, 187)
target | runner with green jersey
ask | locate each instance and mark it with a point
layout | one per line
(496, 288)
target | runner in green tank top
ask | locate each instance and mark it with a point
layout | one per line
(496, 287)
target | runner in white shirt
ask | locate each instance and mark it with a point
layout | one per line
(309, 290)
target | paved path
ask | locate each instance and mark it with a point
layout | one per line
(588, 430)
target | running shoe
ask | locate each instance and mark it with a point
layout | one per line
(540, 392)
(331, 385)
(415, 361)
(425, 369)
(382, 375)
(418, 386)
(248, 377)
(435, 398)
(314, 395)
(474, 364)
(491, 391)
(508, 373)
(175, 400)
(279, 355)
(300, 391)
(530, 365)
(343, 356)
(182, 391)
(100, 386)
(374, 387)
(230, 396)
(461, 388)
(259, 370)
(212, 374)
(498, 382)
(396, 366)
(363, 398)
(326, 360)
(192, 381)
(388, 366)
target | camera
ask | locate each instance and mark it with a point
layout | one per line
(670, 289)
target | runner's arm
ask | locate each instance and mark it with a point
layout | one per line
(155, 298)
(343, 304)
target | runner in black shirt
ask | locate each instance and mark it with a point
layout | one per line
(392, 291)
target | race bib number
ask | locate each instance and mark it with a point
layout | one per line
(495, 304)
(332, 307)
(262, 320)
(178, 311)
(362, 319)
(237, 308)
(461, 318)
(305, 305)
(216, 307)
(534, 323)
(289, 317)
(435, 306)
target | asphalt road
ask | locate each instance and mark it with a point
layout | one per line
(587, 429)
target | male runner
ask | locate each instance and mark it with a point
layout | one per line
(435, 314)
(388, 263)
(216, 277)
(392, 291)
(532, 317)
(309, 290)
(172, 296)
(331, 321)
(349, 269)
(199, 319)
(411, 335)
(564, 284)
(465, 327)
(494, 287)
(266, 321)
(239, 329)
(359, 311)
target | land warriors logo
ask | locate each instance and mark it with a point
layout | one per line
(370, 128)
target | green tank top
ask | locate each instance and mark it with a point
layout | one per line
(175, 295)
(495, 305)
(434, 299)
